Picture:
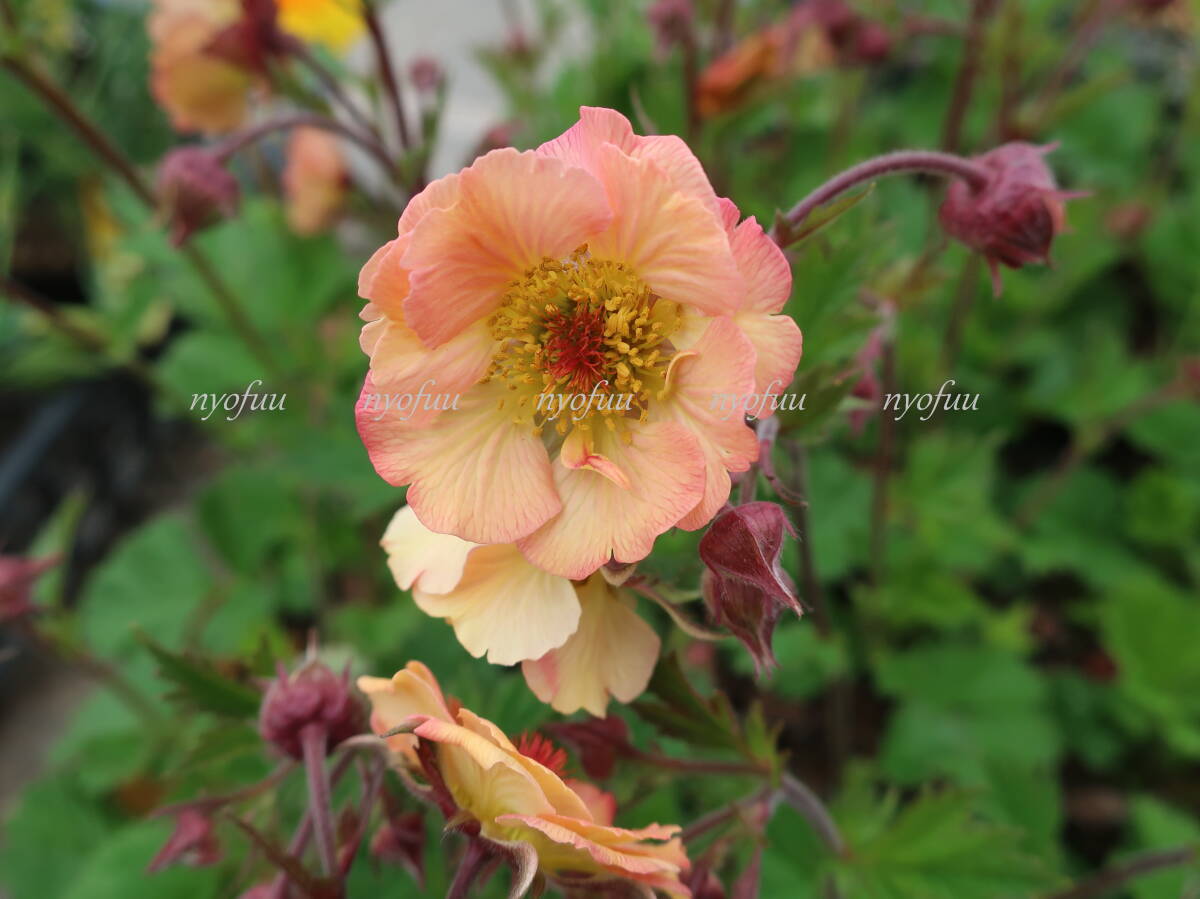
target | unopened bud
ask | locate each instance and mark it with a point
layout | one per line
(745, 586)
(17, 577)
(1012, 218)
(872, 43)
(598, 740)
(426, 74)
(192, 843)
(671, 22)
(194, 191)
(312, 695)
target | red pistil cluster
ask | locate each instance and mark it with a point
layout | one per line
(535, 746)
(575, 346)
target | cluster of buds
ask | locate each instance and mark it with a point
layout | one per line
(744, 584)
(1012, 217)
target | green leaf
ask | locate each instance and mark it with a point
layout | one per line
(201, 686)
(117, 869)
(682, 712)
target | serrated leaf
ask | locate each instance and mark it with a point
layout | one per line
(684, 713)
(201, 686)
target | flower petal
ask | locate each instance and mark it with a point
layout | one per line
(613, 652)
(513, 210)
(671, 240)
(474, 473)
(613, 849)
(766, 271)
(600, 519)
(417, 557)
(778, 345)
(505, 607)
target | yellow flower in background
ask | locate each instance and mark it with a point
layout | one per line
(518, 794)
(335, 23)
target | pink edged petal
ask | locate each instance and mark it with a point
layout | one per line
(601, 803)
(485, 779)
(417, 557)
(474, 473)
(728, 212)
(441, 193)
(406, 368)
(597, 126)
(383, 280)
(601, 520)
(565, 800)
(671, 240)
(578, 146)
(778, 344)
(505, 607)
(613, 653)
(707, 392)
(412, 691)
(513, 210)
(766, 271)
(612, 848)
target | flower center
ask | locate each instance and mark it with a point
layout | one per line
(535, 746)
(581, 340)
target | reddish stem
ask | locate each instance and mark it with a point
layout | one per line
(902, 161)
(313, 741)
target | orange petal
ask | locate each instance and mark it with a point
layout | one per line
(671, 240)
(512, 211)
(602, 520)
(474, 473)
(778, 345)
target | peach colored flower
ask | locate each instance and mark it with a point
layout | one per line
(578, 643)
(516, 797)
(200, 90)
(314, 180)
(600, 268)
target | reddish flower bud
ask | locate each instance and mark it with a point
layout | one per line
(400, 840)
(745, 586)
(253, 40)
(671, 22)
(193, 843)
(426, 74)
(599, 742)
(194, 191)
(1013, 217)
(313, 695)
(872, 43)
(17, 576)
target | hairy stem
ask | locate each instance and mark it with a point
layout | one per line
(900, 162)
(312, 741)
(1110, 878)
(800, 796)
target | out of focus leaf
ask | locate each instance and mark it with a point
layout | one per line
(200, 686)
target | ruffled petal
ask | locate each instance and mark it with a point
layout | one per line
(411, 691)
(671, 240)
(474, 473)
(612, 653)
(505, 607)
(407, 370)
(512, 210)
(778, 345)
(764, 268)
(707, 387)
(601, 519)
(384, 280)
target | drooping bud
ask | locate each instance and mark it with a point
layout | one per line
(17, 576)
(1013, 217)
(400, 840)
(194, 191)
(671, 22)
(426, 74)
(312, 695)
(599, 742)
(745, 586)
(192, 843)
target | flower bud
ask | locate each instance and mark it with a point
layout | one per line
(599, 742)
(1013, 217)
(745, 587)
(17, 576)
(313, 695)
(194, 191)
(671, 22)
(872, 43)
(192, 843)
(426, 74)
(400, 840)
